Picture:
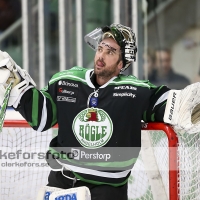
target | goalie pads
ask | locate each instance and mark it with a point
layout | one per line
(53, 193)
(79, 193)
(46, 191)
(10, 71)
(183, 109)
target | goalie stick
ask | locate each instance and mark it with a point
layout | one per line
(4, 105)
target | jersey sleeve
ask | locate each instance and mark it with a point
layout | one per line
(156, 104)
(38, 107)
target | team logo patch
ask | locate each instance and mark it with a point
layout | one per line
(93, 102)
(92, 127)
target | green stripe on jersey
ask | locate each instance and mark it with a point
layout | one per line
(75, 73)
(69, 77)
(78, 74)
(122, 79)
(97, 182)
(153, 117)
(145, 116)
(159, 89)
(35, 108)
(131, 82)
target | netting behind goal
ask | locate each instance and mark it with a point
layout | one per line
(23, 169)
(177, 158)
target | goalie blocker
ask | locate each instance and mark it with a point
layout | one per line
(183, 109)
(54, 193)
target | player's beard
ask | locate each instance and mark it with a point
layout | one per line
(107, 71)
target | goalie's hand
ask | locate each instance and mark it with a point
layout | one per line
(183, 109)
(10, 71)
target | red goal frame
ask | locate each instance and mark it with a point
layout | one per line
(173, 155)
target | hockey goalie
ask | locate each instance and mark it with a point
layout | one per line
(95, 109)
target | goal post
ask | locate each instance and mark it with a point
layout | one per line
(150, 163)
(176, 158)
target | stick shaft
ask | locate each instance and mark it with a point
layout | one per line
(4, 105)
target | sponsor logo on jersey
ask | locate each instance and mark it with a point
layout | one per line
(66, 83)
(77, 154)
(68, 99)
(61, 90)
(125, 94)
(92, 128)
(126, 87)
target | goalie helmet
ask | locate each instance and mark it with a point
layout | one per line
(124, 37)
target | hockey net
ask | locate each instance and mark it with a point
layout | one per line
(173, 175)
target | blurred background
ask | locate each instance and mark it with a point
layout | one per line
(47, 36)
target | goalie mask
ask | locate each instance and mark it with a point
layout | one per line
(124, 37)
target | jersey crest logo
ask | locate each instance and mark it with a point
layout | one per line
(92, 127)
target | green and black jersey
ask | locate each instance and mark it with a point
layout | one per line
(99, 135)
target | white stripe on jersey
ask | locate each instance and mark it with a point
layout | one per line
(162, 98)
(44, 115)
(94, 172)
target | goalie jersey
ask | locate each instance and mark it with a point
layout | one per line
(99, 135)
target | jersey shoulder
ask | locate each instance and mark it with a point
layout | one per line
(75, 73)
(132, 80)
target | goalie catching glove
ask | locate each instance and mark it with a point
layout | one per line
(183, 109)
(11, 72)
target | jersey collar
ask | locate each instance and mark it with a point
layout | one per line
(89, 82)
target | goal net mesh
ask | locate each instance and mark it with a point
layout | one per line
(189, 166)
(139, 185)
(187, 171)
(22, 174)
